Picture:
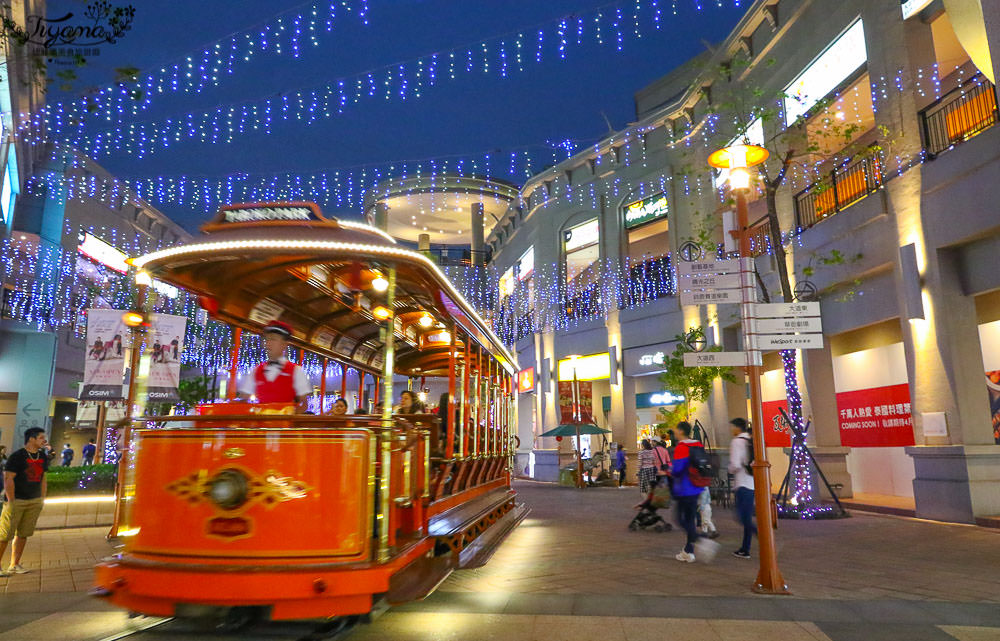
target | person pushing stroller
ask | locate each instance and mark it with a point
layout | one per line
(654, 482)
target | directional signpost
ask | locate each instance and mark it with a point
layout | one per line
(786, 326)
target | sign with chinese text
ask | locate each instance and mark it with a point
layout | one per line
(657, 399)
(649, 359)
(646, 210)
(576, 402)
(876, 417)
(777, 433)
(722, 359)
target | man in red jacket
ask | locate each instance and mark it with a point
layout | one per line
(278, 380)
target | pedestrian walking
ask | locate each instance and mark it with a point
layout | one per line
(647, 468)
(89, 451)
(24, 493)
(685, 492)
(621, 462)
(740, 457)
(67, 455)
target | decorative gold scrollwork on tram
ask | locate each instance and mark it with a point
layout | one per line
(268, 489)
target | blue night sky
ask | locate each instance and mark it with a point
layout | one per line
(474, 113)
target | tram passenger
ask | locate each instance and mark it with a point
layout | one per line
(409, 403)
(339, 408)
(278, 380)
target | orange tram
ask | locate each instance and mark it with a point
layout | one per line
(258, 510)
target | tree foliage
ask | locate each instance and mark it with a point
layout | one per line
(695, 383)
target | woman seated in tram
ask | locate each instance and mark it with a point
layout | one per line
(409, 404)
(277, 380)
(339, 408)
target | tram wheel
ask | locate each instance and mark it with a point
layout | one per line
(332, 629)
(238, 618)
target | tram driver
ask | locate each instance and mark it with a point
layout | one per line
(278, 380)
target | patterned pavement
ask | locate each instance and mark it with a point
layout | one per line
(572, 570)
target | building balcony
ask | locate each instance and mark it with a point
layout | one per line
(959, 115)
(649, 280)
(854, 180)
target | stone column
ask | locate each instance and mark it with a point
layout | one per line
(817, 371)
(382, 216)
(478, 245)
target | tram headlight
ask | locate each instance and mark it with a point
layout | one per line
(228, 489)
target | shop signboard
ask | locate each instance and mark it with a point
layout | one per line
(876, 417)
(649, 359)
(646, 210)
(657, 399)
(912, 7)
(167, 340)
(526, 380)
(585, 368)
(582, 402)
(104, 360)
(776, 430)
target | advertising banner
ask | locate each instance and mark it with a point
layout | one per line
(166, 344)
(776, 430)
(104, 361)
(989, 340)
(584, 398)
(876, 417)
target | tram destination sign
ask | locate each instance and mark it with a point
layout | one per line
(268, 212)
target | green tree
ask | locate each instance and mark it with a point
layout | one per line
(695, 383)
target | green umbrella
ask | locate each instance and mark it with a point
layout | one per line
(570, 429)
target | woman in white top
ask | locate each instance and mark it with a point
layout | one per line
(740, 456)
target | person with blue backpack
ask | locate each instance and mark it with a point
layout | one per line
(691, 474)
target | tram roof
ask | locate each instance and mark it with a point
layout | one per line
(263, 261)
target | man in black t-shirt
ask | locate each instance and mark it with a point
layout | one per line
(24, 492)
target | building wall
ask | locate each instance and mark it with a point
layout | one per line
(942, 205)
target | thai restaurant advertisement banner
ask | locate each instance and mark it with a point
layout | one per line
(772, 387)
(584, 398)
(873, 398)
(989, 339)
(165, 342)
(104, 361)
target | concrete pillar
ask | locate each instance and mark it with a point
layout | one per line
(476, 220)
(382, 216)
(817, 371)
(36, 370)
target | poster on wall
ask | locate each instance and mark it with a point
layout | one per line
(876, 417)
(166, 341)
(989, 341)
(585, 401)
(104, 360)
(776, 430)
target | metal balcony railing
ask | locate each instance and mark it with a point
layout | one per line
(959, 115)
(649, 280)
(840, 189)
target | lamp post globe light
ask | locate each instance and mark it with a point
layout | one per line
(739, 159)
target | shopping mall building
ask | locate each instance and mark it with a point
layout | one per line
(898, 240)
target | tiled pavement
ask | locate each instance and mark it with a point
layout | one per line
(573, 570)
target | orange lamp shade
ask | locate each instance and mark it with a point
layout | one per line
(133, 319)
(738, 156)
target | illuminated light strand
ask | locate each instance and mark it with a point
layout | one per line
(224, 123)
(205, 69)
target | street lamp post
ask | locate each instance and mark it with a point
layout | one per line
(738, 159)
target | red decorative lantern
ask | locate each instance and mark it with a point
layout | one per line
(559, 438)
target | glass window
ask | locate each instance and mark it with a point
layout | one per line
(835, 65)
(582, 251)
(8, 191)
(507, 281)
(844, 120)
(526, 264)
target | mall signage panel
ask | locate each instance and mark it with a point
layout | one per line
(649, 359)
(657, 399)
(526, 380)
(646, 210)
(585, 368)
(876, 417)
(99, 251)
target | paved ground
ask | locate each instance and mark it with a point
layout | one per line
(573, 571)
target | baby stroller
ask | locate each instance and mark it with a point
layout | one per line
(647, 518)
